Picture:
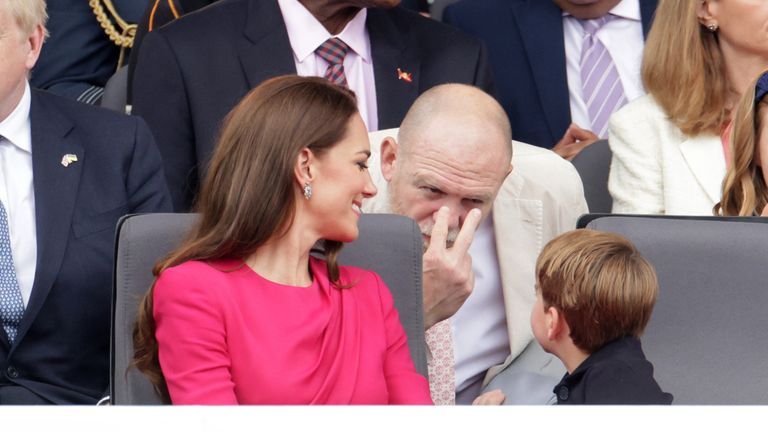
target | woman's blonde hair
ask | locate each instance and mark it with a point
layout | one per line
(684, 70)
(744, 190)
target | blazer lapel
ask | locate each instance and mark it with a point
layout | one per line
(541, 29)
(706, 160)
(55, 189)
(266, 51)
(647, 9)
(390, 52)
(517, 225)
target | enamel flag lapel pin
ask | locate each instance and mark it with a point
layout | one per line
(68, 159)
(404, 76)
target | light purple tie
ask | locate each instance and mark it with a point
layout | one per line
(601, 85)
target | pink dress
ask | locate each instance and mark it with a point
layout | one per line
(228, 336)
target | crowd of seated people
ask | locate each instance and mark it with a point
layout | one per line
(280, 121)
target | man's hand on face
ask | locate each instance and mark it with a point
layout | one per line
(574, 141)
(448, 276)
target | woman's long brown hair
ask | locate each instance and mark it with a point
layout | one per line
(248, 195)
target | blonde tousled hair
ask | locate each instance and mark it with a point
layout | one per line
(28, 14)
(600, 284)
(744, 189)
(683, 69)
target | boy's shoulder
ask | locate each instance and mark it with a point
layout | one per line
(616, 374)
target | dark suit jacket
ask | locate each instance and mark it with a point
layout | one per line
(616, 374)
(526, 48)
(78, 55)
(191, 72)
(61, 352)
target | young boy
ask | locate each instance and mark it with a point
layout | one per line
(594, 297)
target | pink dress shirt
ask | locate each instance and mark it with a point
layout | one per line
(228, 336)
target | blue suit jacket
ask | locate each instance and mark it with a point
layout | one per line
(61, 352)
(193, 71)
(78, 54)
(527, 53)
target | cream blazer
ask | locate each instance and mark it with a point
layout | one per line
(541, 198)
(656, 169)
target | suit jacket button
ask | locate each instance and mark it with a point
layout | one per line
(12, 372)
(563, 393)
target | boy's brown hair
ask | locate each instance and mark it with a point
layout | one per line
(600, 283)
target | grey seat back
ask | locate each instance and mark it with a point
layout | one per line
(707, 337)
(593, 165)
(388, 244)
(116, 90)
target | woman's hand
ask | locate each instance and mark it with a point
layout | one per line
(493, 397)
(765, 211)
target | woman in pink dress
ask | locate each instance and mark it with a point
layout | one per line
(241, 313)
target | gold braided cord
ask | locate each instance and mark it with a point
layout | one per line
(122, 38)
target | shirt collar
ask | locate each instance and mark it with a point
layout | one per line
(15, 128)
(627, 9)
(306, 33)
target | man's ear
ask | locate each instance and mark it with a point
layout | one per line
(389, 150)
(305, 170)
(35, 43)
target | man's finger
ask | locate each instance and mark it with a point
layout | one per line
(467, 232)
(439, 230)
(583, 134)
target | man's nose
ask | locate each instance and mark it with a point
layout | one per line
(455, 216)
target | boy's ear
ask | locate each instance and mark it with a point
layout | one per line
(556, 325)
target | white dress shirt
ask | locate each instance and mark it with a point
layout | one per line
(480, 338)
(623, 38)
(306, 34)
(17, 192)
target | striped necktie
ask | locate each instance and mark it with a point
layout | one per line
(333, 51)
(601, 84)
(11, 302)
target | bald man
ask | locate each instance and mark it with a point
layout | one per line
(483, 222)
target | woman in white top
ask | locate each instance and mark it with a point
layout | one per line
(670, 147)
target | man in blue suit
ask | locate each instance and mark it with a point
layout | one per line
(68, 172)
(534, 49)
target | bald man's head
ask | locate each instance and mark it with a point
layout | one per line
(454, 149)
(451, 108)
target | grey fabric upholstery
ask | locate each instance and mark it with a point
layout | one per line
(530, 379)
(707, 337)
(116, 90)
(388, 244)
(438, 6)
(593, 165)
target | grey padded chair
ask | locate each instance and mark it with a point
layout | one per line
(115, 91)
(438, 6)
(707, 337)
(388, 244)
(593, 165)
